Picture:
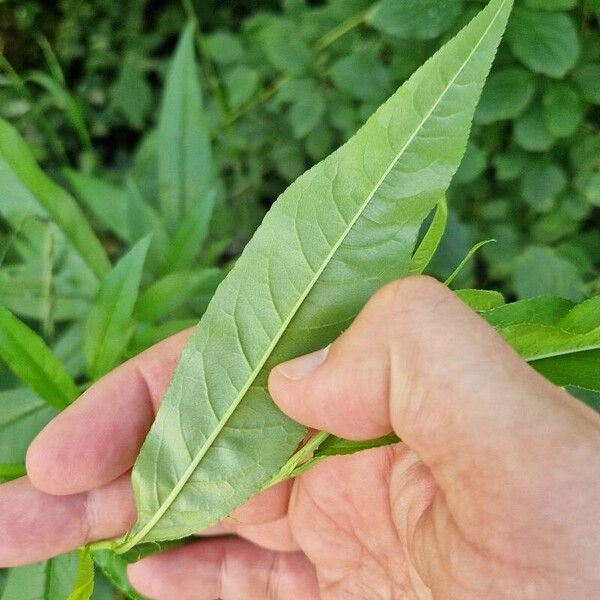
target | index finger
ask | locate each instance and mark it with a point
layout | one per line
(98, 438)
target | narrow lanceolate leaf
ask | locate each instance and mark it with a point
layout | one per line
(49, 580)
(10, 472)
(19, 171)
(115, 570)
(336, 235)
(28, 356)
(108, 327)
(83, 587)
(183, 145)
(431, 240)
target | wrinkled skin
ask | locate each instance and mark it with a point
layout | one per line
(493, 494)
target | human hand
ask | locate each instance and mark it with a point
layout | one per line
(493, 493)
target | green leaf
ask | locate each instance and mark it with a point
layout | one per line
(131, 93)
(531, 132)
(147, 335)
(115, 569)
(542, 184)
(591, 398)
(84, 581)
(470, 254)
(588, 79)
(562, 110)
(540, 271)
(481, 300)
(242, 82)
(335, 236)
(582, 318)
(506, 95)
(545, 42)
(552, 4)
(22, 416)
(189, 239)
(306, 113)
(49, 580)
(410, 19)
(8, 472)
(173, 291)
(122, 211)
(108, 325)
(563, 357)
(28, 356)
(362, 76)
(591, 190)
(21, 176)
(335, 446)
(472, 166)
(510, 165)
(431, 240)
(184, 151)
(542, 310)
(66, 101)
(284, 47)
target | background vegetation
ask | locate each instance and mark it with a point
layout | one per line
(192, 142)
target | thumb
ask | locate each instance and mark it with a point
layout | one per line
(419, 362)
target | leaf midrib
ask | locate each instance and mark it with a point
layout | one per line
(216, 432)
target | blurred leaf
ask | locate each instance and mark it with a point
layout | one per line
(562, 110)
(506, 95)
(545, 42)
(165, 296)
(20, 174)
(531, 132)
(306, 113)
(189, 239)
(49, 580)
(108, 325)
(66, 101)
(592, 190)
(22, 416)
(27, 355)
(420, 19)
(183, 145)
(541, 185)
(242, 83)
(552, 4)
(284, 47)
(362, 76)
(588, 79)
(473, 164)
(510, 165)
(83, 587)
(540, 271)
(10, 472)
(147, 335)
(131, 93)
(591, 398)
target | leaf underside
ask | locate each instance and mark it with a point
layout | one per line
(335, 236)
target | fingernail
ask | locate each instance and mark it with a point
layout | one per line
(303, 365)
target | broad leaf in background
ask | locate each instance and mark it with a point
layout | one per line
(218, 437)
(421, 19)
(545, 42)
(183, 144)
(170, 293)
(83, 588)
(26, 353)
(108, 326)
(49, 580)
(22, 416)
(123, 212)
(542, 271)
(20, 175)
(542, 310)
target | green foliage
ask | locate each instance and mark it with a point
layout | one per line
(119, 132)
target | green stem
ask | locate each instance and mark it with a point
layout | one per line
(209, 68)
(340, 30)
(300, 457)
